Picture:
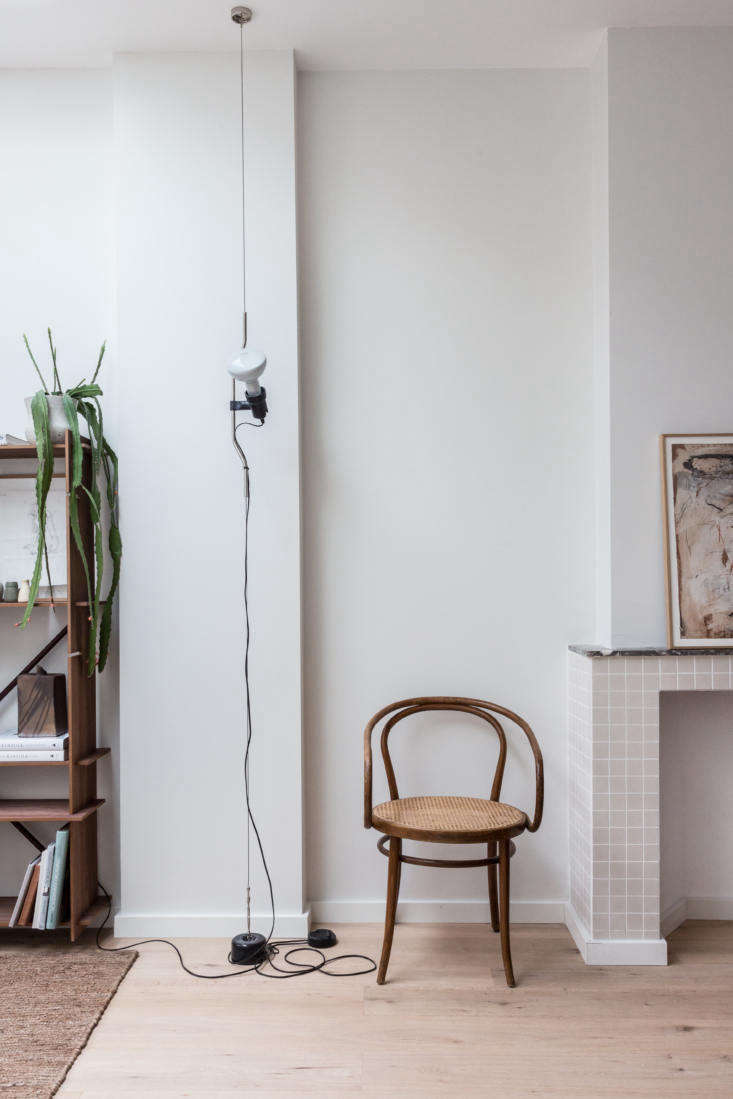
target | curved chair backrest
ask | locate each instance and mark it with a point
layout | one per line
(475, 706)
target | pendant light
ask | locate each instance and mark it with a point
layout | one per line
(248, 364)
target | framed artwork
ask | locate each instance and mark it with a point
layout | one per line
(697, 482)
(19, 531)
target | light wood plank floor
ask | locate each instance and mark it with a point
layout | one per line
(444, 1025)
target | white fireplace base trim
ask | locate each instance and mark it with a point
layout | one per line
(614, 951)
(696, 908)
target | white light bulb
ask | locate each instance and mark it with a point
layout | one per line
(247, 366)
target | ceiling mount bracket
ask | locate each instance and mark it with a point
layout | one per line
(241, 15)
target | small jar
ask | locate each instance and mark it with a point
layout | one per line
(24, 591)
(10, 594)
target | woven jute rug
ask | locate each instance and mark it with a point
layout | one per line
(52, 995)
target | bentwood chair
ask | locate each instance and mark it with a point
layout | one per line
(450, 819)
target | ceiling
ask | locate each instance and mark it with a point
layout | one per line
(341, 34)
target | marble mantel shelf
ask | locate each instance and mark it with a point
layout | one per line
(598, 650)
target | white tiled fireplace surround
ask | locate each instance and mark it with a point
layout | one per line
(613, 713)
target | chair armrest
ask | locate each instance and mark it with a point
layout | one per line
(539, 797)
(368, 775)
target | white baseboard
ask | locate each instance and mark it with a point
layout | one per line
(696, 908)
(627, 952)
(428, 911)
(673, 916)
(297, 924)
(206, 926)
(710, 908)
(579, 932)
(614, 951)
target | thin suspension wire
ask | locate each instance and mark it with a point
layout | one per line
(242, 75)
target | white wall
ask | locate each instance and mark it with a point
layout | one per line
(671, 285)
(56, 268)
(447, 402)
(181, 610)
(601, 356)
(124, 190)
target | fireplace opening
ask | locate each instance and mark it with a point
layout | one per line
(696, 807)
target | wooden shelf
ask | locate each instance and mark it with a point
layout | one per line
(38, 603)
(28, 476)
(96, 909)
(48, 603)
(51, 809)
(86, 761)
(34, 763)
(29, 450)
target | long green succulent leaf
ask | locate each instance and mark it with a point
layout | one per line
(93, 504)
(102, 350)
(33, 360)
(110, 456)
(56, 379)
(93, 418)
(111, 466)
(70, 407)
(44, 450)
(105, 627)
(84, 390)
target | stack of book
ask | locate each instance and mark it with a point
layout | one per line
(34, 749)
(41, 899)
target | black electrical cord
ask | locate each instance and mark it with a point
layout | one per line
(250, 816)
(272, 947)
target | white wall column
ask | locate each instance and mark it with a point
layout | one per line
(448, 517)
(663, 220)
(181, 609)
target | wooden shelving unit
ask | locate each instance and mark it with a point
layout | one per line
(39, 602)
(79, 808)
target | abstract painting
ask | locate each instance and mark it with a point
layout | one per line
(697, 472)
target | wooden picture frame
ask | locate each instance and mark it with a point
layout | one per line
(697, 495)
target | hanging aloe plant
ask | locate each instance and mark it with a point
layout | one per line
(82, 400)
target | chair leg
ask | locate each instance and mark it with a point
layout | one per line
(493, 888)
(393, 889)
(506, 953)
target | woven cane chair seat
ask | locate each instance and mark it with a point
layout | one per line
(447, 819)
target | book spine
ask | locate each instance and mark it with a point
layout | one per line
(26, 912)
(23, 890)
(33, 743)
(44, 885)
(46, 756)
(57, 878)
